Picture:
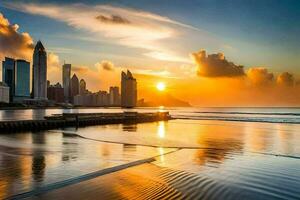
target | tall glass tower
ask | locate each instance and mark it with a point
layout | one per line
(128, 90)
(39, 72)
(22, 80)
(8, 75)
(66, 81)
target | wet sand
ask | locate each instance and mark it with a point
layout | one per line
(164, 179)
(140, 182)
(214, 160)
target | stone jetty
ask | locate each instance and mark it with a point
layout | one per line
(79, 120)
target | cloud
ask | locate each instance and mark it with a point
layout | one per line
(167, 56)
(260, 76)
(54, 68)
(80, 69)
(115, 19)
(124, 26)
(100, 77)
(285, 79)
(13, 43)
(216, 65)
(106, 65)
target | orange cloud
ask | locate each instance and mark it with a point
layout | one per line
(216, 65)
(106, 65)
(54, 68)
(13, 43)
(260, 76)
(285, 79)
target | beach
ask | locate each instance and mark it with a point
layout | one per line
(224, 157)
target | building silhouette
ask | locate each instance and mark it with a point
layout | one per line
(82, 87)
(128, 90)
(4, 93)
(8, 75)
(39, 72)
(74, 87)
(66, 76)
(56, 93)
(114, 96)
(100, 98)
(16, 75)
(22, 81)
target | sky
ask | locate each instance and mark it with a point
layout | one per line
(207, 52)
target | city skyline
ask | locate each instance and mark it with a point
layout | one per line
(15, 85)
(227, 64)
(140, 99)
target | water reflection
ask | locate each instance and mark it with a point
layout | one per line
(129, 127)
(161, 129)
(38, 167)
(31, 159)
(129, 147)
(38, 158)
(218, 143)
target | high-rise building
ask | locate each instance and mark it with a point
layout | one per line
(114, 96)
(39, 72)
(128, 90)
(74, 85)
(66, 81)
(8, 75)
(4, 93)
(100, 98)
(82, 87)
(55, 93)
(22, 80)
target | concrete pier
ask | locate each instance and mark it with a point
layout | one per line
(80, 119)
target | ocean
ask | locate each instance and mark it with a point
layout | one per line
(204, 153)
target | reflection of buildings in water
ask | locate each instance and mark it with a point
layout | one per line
(38, 160)
(129, 147)
(16, 114)
(69, 148)
(115, 126)
(38, 167)
(15, 167)
(12, 168)
(38, 113)
(129, 127)
(218, 142)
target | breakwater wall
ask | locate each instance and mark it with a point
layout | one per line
(79, 120)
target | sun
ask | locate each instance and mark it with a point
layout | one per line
(161, 86)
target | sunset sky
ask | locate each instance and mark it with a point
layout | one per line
(207, 52)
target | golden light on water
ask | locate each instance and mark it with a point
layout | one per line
(161, 129)
(161, 86)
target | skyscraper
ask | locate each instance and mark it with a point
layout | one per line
(82, 89)
(128, 90)
(56, 93)
(74, 87)
(114, 96)
(22, 80)
(8, 75)
(4, 93)
(66, 81)
(39, 72)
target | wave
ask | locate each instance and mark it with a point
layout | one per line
(241, 119)
(248, 113)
